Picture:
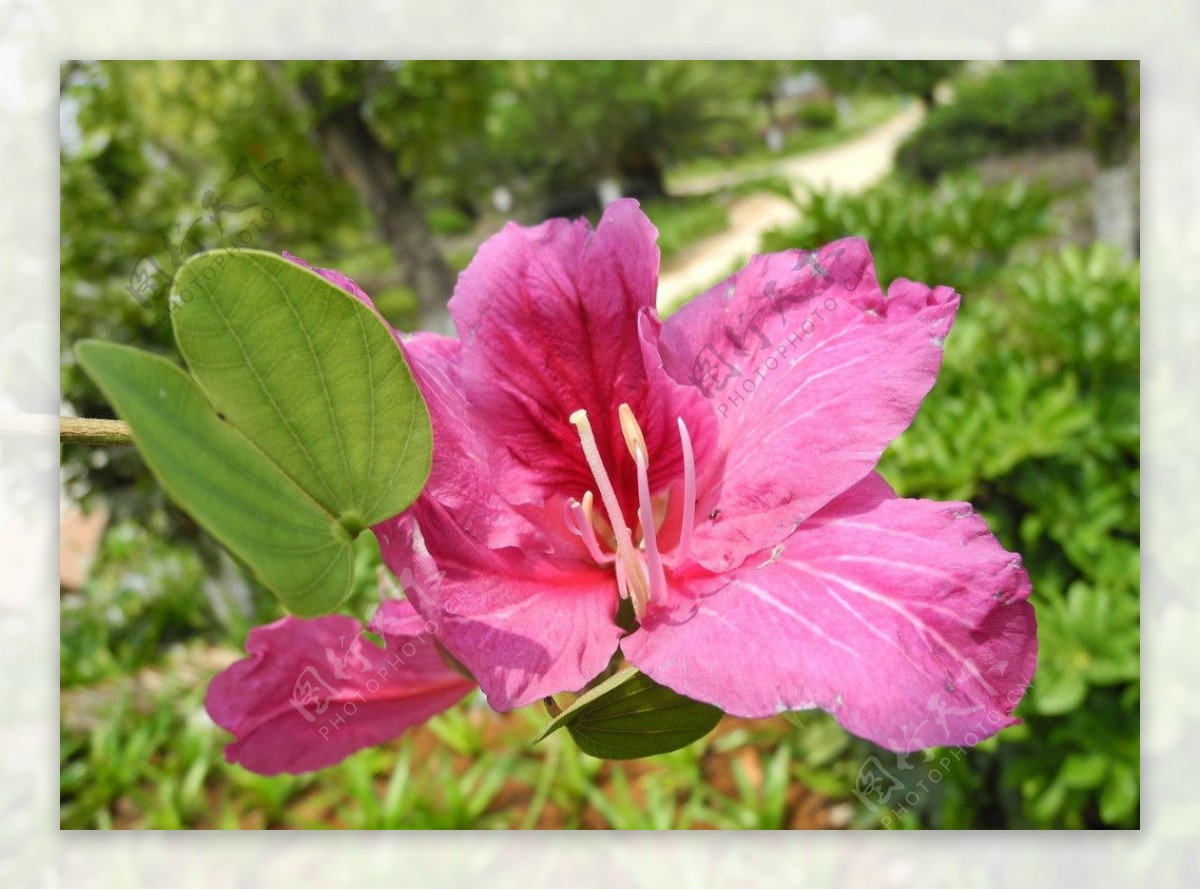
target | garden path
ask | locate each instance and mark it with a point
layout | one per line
(849, 167)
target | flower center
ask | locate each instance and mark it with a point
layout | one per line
(639, 569)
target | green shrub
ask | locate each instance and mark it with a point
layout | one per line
(1016, 106)
(449, 220)
(1035, 421)
(682, 222)
(818, 115)
(960, 234)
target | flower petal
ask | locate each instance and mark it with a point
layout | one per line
(314, 690)
(812, 372)
(459, 479)
(526, 625)
(905, 619)
(548, 318)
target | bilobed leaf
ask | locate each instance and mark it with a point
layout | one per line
(299, 427)
(227, 485)
(311, 374)
(629, 716)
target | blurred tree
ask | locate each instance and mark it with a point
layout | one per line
(1012, 107)
(388, 128)
(159, 160)
(341, 163)
(915, 77)
(571, 125)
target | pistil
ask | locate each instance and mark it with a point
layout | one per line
(637, 447)
(633, 574)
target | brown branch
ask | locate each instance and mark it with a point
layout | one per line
(88, 431)
(71, 430)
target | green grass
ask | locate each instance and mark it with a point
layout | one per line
(161, 767)
(137, 749)
(681, 222)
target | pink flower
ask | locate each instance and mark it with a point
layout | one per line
(315, 690)
(716, 470)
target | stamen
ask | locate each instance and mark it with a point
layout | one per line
(580, 522)
(634, 439)
(689, 490)
(598, 523)
(569, 517)
(658, 581)
(634, 577)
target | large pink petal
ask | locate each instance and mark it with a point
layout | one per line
(812, 372)
(548, 318)
(526, 625)
(314, 690)
(460, 480)
(905, 619)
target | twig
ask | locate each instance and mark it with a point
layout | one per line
(71, 430)
(89, 431)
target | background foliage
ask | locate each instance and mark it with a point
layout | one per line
(1022, 105)
(1034, 419)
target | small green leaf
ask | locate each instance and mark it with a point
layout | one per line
(228, 486)
(1119, 799)
(629, 715)
(300, 426)
(311, 374)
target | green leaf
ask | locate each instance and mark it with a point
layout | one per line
(228, 486)
(629, 716)
(300, 426)
(311, 374)
(1081, 770)
(1119, 799)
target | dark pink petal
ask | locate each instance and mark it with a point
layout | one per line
(905, 619)
(460, 480)
(548, 317)
(666, 401)
(315, 690)
(812, 372)
(525, 625)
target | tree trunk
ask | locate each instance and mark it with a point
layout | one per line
(1114, 196)
(641, 174)
(372, 169)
